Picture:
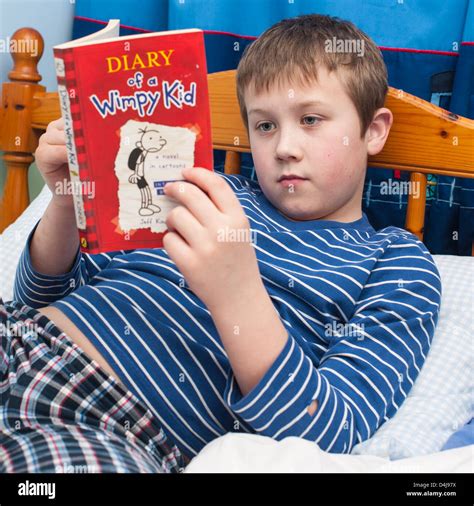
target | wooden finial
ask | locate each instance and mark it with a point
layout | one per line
(26, 46)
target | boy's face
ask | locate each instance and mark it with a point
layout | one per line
(319, 142)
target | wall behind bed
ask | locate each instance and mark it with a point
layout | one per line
(54, 20)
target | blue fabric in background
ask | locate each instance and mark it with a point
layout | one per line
(428, 47)
(462, 437)
(462, 196)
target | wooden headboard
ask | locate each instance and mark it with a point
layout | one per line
(424, 138)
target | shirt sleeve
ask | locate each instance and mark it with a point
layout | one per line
(369, 367)
(38, 290)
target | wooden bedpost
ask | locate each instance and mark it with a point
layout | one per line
(416, 206)
(18, 139)
(232, 162)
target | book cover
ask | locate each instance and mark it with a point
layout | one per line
(136, 112)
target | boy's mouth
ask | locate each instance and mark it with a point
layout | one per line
(290, 176)
(291, 179)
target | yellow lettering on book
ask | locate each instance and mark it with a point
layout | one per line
(110, 62)
(167, 56)
(137, 61)
(148, 60)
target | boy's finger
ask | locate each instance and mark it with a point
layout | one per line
(57, 124)
(194, 199)
(216, 187)
(52, 158)
(55, 138)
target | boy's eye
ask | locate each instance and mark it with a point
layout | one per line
(309, 120)
(266, 123)
(314, 118)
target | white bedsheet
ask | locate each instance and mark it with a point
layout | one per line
(249, 453)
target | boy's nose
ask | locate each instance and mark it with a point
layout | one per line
(287, 147)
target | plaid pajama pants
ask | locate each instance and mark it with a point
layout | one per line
(60, 412)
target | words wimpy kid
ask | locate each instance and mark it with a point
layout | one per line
(146, 102)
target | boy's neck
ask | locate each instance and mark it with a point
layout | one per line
(340, 217)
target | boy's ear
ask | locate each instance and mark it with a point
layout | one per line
(378, 130)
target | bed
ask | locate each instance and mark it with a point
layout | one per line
(440, 403)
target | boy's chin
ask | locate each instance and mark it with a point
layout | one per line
(294, 215)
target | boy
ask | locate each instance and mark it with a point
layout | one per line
(317, 328)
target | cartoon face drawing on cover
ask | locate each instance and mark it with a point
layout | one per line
(150, 142)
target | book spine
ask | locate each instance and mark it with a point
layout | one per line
(77, 160)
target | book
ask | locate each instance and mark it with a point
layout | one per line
(136, 112)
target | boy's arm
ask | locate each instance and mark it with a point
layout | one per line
(51, 265)
(55, 241)
(252, 334)
(37, 289)
(358, 384)
(362, 379)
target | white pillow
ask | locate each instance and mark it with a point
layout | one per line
(13, 239)
(441, 400)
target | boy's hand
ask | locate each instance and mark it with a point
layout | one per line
(209, 238)
(51, 160)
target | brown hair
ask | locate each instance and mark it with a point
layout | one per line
(293, 49)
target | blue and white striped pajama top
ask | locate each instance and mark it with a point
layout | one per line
(360, 308)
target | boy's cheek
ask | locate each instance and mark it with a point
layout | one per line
(331, 180)
(346, 162)
(264, 165)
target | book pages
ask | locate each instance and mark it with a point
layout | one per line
(149, 156)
